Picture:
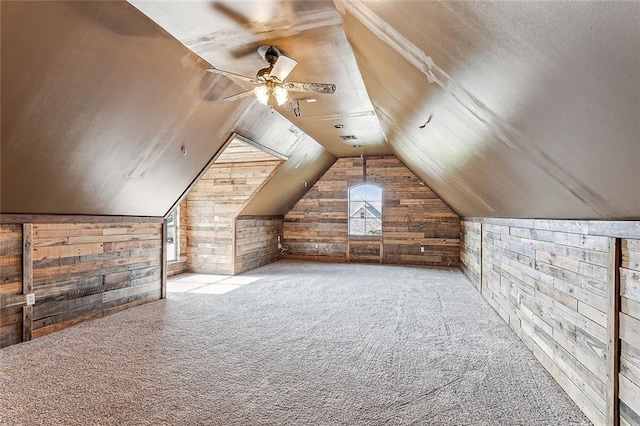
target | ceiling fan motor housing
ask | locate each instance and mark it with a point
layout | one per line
(271, 55)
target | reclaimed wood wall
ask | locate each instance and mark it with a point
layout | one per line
(256, 242)
(470, 249)
(11, 298)
(629, 377)
(556, 284)
(76, 271)
(316, 228)
(212, 207)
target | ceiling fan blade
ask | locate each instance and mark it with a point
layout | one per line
(233, 14)
(234, 75)
(239, 96)
(283, 67)
(326, 89)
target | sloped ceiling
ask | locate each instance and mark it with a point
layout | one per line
(534, 107)
(505, 109)
(97, 104)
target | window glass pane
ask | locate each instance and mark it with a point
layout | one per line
(172, 236)
(365, 210)
(373, 226)
(357, 226)
(359, 192)
(354, 207)
(373, 193)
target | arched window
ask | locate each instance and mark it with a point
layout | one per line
(365, 210)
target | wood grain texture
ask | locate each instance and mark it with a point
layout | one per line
(11, 288)
(256, 243)
(241, 152)
(85, 270)
(27, 258)
(554, 283)
(56, 218)
(470, 249)
(27, 323)
(413, 217)
(212, 207)
(613, 332)
(629, 376)
(551, 288)
(365, 250)
(27, 279)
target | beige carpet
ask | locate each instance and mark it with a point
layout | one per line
(305, 344)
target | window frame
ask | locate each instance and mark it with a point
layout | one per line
(350, 234)
(173, 255)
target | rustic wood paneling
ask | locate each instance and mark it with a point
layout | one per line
(365, 250)
(629, 377)
(59, 218)
(163, 261)
(242, 152)
(256, 242)
(612, 356)
(84, 271)
(550, 287)
(470, 249)
(413, 217)
(11, 299)
(551, 281)
(212, 207)
(80, 271)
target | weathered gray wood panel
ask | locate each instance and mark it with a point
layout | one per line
(551, 281)
(629, 378)
(470, 252)
(256, 242)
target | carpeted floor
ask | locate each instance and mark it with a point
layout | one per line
(306, 344)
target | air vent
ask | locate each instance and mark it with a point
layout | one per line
(348, 137)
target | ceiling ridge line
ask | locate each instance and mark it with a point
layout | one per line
(502, 130)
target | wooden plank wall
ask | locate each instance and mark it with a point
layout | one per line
(550, 281)
(470, 247)
(84, 271)
(629, 377)
(10, 284)
(365, 250)
(256, 242)
(212, 207)
(413, 216)
(80, 271)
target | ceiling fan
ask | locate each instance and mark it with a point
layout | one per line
(271, 82)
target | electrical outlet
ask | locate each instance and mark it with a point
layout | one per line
(316, 246)
(216, 218)
(421, 249)
(31, 299)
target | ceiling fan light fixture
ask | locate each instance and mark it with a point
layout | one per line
(281, 94)
(262, 93)
(272, 87)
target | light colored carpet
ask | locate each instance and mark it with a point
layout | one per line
(307, 344)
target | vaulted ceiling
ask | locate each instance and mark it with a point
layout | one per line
(510, 109)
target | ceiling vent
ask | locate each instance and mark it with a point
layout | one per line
(348, 137)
